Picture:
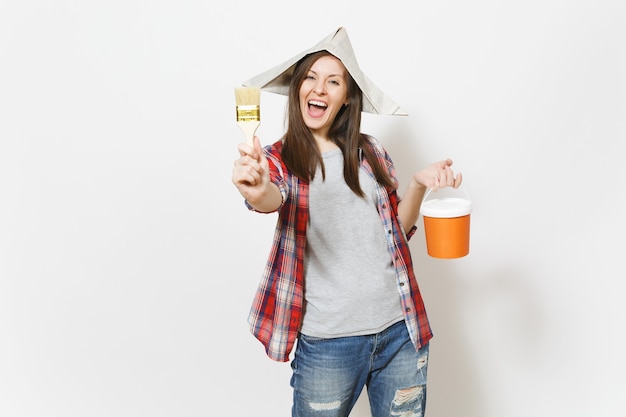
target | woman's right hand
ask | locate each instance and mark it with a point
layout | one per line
(251, 176)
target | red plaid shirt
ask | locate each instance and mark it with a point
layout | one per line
(276, 313)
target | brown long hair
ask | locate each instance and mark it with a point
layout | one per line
(300, 152)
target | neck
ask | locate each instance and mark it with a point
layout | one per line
(324, 144)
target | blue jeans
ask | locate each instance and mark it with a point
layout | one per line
(329, 374)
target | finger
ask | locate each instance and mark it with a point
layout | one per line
(247, 175)
(458, 180)
(436, 183)
(258, 148)
(245, 149)
(257, 144)
(245, 161)
(445, 176)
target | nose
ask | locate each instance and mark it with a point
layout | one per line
(319, 87)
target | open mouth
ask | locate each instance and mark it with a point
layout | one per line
(317, 108)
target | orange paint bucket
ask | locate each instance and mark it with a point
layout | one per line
(447, 226)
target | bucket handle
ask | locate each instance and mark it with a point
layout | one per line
(430, 190)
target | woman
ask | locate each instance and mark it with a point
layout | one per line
(339, 279)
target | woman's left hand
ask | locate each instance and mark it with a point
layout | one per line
(438, 175)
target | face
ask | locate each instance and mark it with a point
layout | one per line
(323, 93)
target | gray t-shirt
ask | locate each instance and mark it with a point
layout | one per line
(350, 283)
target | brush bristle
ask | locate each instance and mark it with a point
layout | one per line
(248, 104)
(247, 96)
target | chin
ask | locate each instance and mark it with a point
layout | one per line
(315, 124)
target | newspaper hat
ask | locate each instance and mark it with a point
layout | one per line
(277, 79)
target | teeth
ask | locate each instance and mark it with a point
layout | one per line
(317, 103)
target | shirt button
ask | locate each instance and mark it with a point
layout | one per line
(407, 309)
(402, 284)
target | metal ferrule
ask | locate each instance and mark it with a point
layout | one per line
(248, 113)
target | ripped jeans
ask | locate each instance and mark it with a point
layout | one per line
(329, 374)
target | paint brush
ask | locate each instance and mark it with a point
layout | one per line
(248, 111)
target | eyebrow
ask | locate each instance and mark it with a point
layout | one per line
(330, 75)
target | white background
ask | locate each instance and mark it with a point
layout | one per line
(128, 261)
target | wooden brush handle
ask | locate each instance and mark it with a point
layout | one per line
(249, 129)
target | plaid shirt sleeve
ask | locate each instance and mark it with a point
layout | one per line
(276, 312)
